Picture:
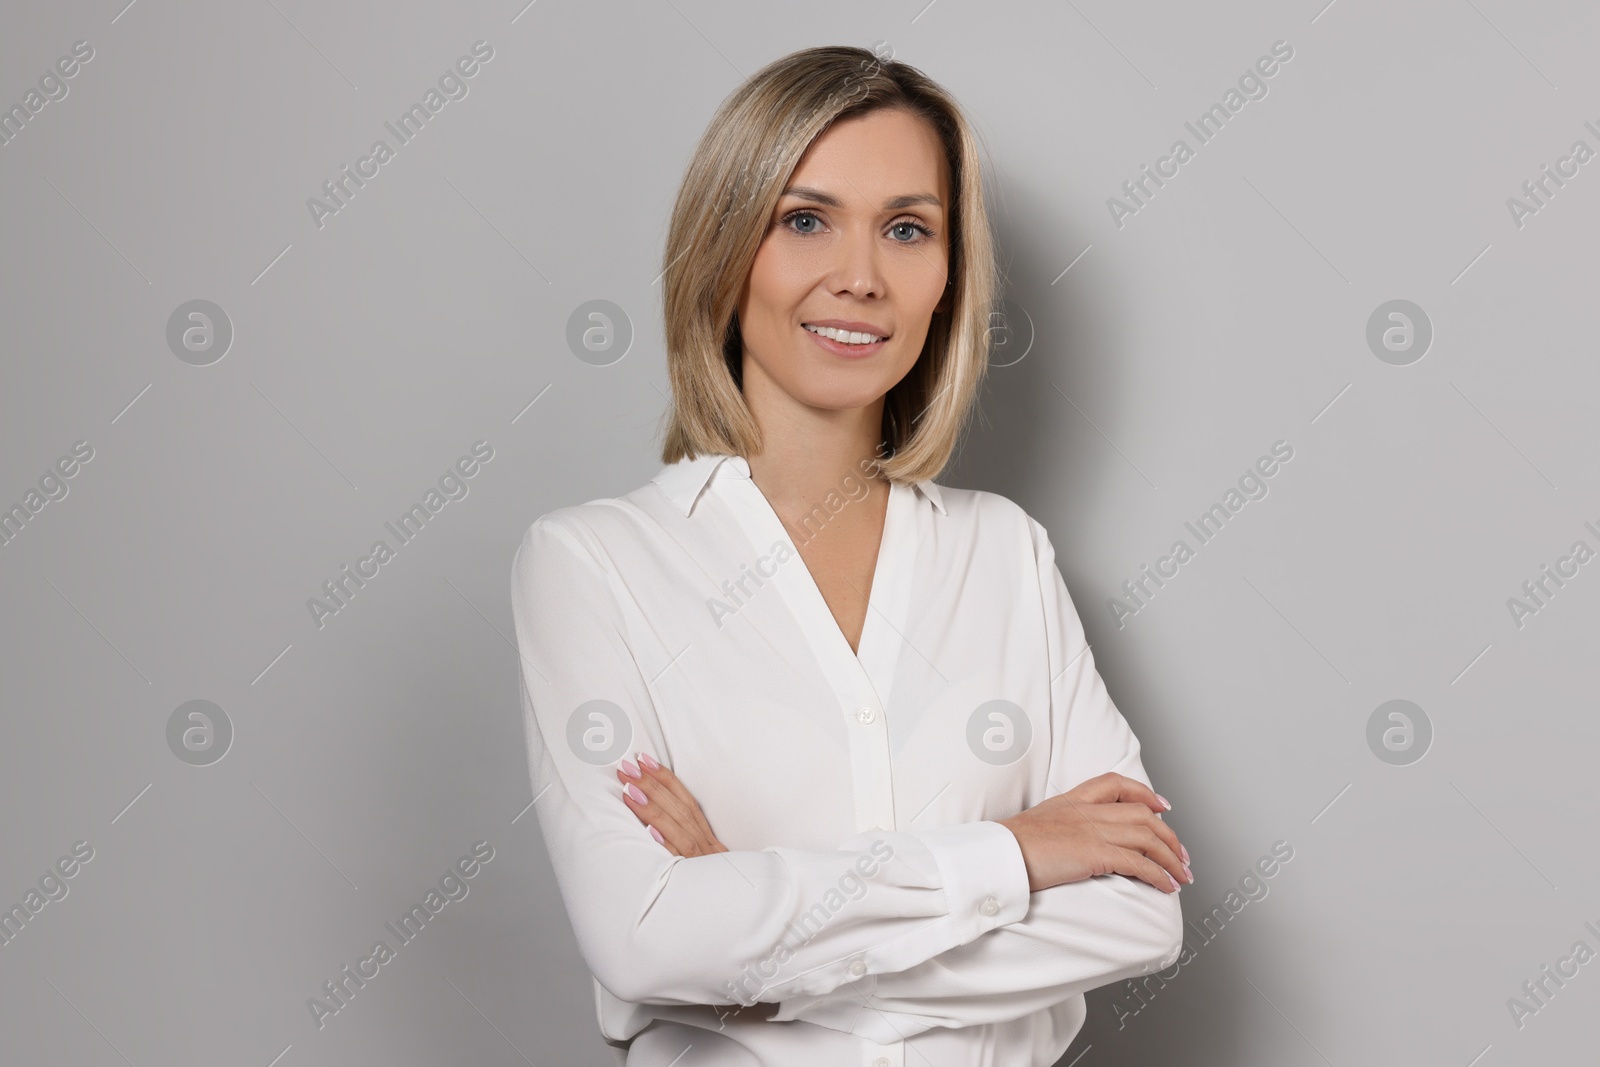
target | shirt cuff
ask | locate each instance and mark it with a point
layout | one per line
(985, 886)
(985, 879)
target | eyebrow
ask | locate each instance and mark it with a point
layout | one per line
(817, 196)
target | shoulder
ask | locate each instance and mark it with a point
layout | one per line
(996, 527)
(989, 514)
(599, 529)
(985, 525)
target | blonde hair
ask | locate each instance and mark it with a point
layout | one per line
(729, 191)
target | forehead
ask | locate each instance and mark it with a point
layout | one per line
(885, 153)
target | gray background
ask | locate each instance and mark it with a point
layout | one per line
(431, 312)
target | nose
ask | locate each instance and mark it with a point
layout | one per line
(856, 269)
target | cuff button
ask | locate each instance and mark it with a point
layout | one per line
(991, 906)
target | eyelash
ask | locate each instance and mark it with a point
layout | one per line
(913, 223)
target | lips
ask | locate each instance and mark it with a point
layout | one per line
(845, 349)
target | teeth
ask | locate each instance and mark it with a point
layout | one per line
(843, 336)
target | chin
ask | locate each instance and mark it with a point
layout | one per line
(834, 402)
(844, 397)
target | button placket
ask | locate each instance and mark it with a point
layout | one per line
(875, 1055)
(861, 680)
(872, 769)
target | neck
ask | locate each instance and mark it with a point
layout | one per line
(809, 452)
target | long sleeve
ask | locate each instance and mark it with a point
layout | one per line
(735, 927)
(1075, 937)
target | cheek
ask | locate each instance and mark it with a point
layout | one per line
(775, 288)
(924, 280)
(918, 288)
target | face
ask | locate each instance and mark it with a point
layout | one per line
(858, 240)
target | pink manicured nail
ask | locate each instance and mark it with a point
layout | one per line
(1188, 873)
(644, 758)
(1164, 801)
(629, 769)
(633, 791)
(657, 835)
(1181, 849)
(1174, 881)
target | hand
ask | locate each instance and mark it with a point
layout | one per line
(1106, 825)
(670, 810)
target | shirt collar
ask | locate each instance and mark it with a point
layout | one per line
(685, 480)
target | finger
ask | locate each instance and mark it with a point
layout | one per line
(1139, 814)
(1145, 840)
(676, 795)
(1132, 811)
(655, 790)
(669, 790)
(665, 842)
(1169, 837)
(1170, 842)
(1135, 814)
(656, 816)
(687, 829)
(1112, 788)
(1139, 866)
(629, 774)
(679, 839)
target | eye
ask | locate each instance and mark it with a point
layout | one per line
(795, 216)
(907, 231)
(911, 224)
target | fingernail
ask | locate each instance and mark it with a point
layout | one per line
(1164, 801)
(657, 835)
(1188, 873)
(633, 791)
(1175, 887)
(629, 769)
(1181, 849)
(644, 758)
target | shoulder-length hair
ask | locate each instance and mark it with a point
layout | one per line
(729, 191)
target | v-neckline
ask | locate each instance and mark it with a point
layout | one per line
(876, 653)
(875, 593)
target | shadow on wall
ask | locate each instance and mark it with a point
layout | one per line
(1012, 449)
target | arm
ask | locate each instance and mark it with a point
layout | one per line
(658, 928)
(1076, 936)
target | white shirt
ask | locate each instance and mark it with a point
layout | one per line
(864, 892)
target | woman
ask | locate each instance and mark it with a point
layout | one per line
(883, 810)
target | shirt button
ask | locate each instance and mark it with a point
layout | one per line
(990, 906)
(858, 968)
(866, 715)
(881, 1061)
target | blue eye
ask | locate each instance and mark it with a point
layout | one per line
(915, 226)
(921, 232)
(802, 214)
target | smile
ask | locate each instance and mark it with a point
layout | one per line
(846, 337)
